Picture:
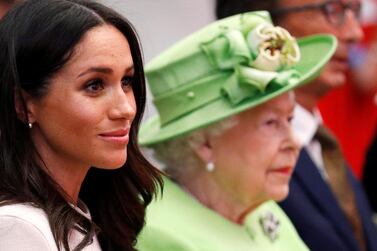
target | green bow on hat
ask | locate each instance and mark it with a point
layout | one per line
(225, 68)
(253, 69)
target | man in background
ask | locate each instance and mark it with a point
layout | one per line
(326, 204)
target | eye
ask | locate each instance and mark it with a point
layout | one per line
(271, 122)
(334, 12)
(290, 119)
(127, 82)
(334, 7)
(94, 85)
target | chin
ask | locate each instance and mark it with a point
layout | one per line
(112, 163)
(279, 193)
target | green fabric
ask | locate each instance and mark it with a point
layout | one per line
(187, 54)
(177, 222)
(209, 76)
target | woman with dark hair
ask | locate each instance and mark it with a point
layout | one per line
(72, 96)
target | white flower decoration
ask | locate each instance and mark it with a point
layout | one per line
(273, 47)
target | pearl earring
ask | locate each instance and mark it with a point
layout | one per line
(210, 166)
(30, 125)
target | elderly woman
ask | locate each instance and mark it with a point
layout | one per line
(223, 132)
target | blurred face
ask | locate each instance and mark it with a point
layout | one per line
(255, 159)
(315, 20)
(85, 117)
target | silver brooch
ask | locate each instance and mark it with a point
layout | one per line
(270, 225)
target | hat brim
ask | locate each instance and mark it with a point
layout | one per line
(315, 50)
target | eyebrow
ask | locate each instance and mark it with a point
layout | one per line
(105, 70)
(281, 110)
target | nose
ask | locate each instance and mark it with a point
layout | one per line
(123, 105)
(291, 142)
(350, 31)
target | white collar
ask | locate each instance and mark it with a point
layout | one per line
(305, 124)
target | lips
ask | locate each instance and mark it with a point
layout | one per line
(120, 136)
(285, 170)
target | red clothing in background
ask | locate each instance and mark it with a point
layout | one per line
(351, 114)
(353, 118)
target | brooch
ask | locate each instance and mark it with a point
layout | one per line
(270, 225)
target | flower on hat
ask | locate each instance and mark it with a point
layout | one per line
(256, 59)
(273, 47)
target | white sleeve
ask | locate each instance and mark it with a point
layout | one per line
(19, 234)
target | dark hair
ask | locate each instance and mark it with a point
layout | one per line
(225, 8)
(37, 39)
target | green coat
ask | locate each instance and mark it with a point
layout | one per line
(178, 222)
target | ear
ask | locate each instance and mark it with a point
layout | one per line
(24, 106)
(204, 151)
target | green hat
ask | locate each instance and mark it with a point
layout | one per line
(225, 68)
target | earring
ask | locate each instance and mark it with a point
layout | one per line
(210, 166)
(30, 125)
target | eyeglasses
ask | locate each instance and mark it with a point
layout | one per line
(333, 10)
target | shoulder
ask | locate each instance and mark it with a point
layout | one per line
(26, 213)
(179, 222)
(175, 208)
(24, 227)
(165, 228)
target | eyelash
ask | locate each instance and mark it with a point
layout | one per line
(127, 82)
(290, 119)
(275, 122)
(94, 82)
(271, 122)
(92, 85)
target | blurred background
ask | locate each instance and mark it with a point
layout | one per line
(162, 23)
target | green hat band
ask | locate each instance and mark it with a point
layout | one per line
(241, 84)
(221, 68)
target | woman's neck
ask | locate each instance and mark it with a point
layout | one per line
(208, 192)
(69, 175)
(69, 179)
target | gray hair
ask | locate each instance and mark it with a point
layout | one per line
(178, 155)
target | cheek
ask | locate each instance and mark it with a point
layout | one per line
(253, 179)
(254, 149)
(132, 103)
(257, 156)
(262, 158)
(263, 144)
(74, 120)
(81, 116)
